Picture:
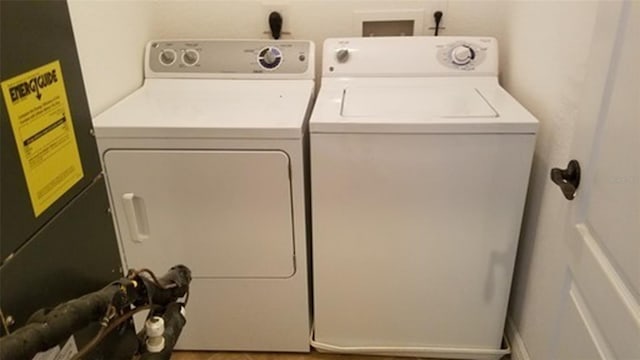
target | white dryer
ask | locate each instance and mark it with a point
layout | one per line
(419, 169)
(205, 166)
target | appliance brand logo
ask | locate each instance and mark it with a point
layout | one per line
(33, 85)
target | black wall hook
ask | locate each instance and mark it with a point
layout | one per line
(567, 179)
(275, 24)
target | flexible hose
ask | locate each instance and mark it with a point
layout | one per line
(104, 331)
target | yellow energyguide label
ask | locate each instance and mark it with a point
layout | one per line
(41, 121)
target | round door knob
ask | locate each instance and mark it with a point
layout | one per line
(462, 55)
(167, 57)
(190, 57)
(342, 55)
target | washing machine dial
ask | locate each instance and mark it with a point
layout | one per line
(270, 58)
(190, 57)
(462, 55)
(167, 57)
(342, 55)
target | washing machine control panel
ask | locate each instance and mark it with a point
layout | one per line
(410, 56)
(462, 55)
(174, 58)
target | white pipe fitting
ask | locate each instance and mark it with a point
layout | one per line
(154, 328)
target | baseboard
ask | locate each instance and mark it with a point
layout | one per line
(518, 349)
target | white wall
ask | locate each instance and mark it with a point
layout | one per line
(111, 34)
(544, 52)
(544, 46)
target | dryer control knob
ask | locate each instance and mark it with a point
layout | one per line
(462, 55)
(167, 57)
(190, 57)
(271, 56)
(342, 55)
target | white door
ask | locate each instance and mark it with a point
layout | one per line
(225, 214)
(600, 317)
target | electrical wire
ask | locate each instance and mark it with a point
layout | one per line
(437, 16)
(105, 330)
(154, 278)
(108, 325)
(186, 297)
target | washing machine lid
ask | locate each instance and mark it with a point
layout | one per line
(208, 108)
(417, 103)
(423, 105)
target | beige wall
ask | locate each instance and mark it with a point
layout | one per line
(111, 34)
(544, 52)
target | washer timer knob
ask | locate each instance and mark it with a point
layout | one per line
(462, 55)
(190, 57)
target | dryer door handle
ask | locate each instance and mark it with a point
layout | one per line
(136, 217)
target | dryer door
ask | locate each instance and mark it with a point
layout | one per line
(224, 214)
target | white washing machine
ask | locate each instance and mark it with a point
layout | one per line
(205, 166)
(419, 169)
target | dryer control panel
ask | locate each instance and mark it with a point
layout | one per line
(229, 59)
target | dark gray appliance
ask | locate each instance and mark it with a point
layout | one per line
(70, 248)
